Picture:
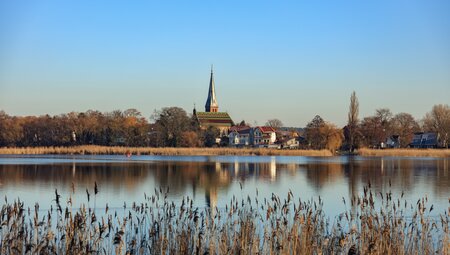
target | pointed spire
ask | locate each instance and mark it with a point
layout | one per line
(211, 103)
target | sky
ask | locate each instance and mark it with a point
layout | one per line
(289, 60)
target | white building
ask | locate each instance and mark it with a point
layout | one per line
(239, 136)
(263, 136)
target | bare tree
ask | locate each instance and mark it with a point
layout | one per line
(172, 122)
(371, 132)
(404, 125)
(352, 123)
(384, 116)
(312, 133)
(438, 120)
(275, 123)
(132, 113)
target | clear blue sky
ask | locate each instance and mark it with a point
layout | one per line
(285, 59)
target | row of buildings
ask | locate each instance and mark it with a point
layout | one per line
(263, 136)
(240, 136)
(420, 140)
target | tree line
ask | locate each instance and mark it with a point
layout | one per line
(173, 127)
(373, 130)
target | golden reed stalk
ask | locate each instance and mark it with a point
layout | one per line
(372, 223)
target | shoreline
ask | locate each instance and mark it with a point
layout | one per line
(432, 153)
(166, 151)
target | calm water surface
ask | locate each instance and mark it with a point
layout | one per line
(213, 180)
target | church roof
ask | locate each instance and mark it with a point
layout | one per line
(214, 119)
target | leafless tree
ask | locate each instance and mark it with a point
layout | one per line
(312, 133)
(372, 133)
(404, 125)
(384, 116)
(275, 123)
(438, 120)
(352, 124)
(172, 122)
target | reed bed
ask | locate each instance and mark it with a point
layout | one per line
(444, 153)
(117, 150)
(372, 224)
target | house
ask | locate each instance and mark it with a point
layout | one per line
(252, 136)
(263, 136)
(393, 141)
(239, 136)
(289, 143)
(287, 139)
(211, 117)
(425, 140)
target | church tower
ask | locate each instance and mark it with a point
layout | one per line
(211, 117)
(211, 103)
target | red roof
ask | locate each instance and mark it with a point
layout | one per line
(266, 129)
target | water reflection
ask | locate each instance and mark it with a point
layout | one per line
(211, 182)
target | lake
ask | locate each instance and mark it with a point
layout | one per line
(214, 180)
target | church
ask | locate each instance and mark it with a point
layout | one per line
(211, 116)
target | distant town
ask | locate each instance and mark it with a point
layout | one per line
(174, 127)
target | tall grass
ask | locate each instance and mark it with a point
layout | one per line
(405, 152)
(96, 150)
(372, 224)
(118, 150)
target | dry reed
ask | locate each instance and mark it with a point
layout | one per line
(405, 152)
(117, 150)
(374, 224)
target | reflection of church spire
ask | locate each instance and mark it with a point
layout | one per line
(211, 103)
(352, 186)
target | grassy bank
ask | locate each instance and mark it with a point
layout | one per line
(405, 152)
(372, 224)
(117, 150)
(98, 150)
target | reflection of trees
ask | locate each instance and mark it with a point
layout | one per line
(211, 177)
(442, 184)
(109, 175)
(401, 173)
(321, 174)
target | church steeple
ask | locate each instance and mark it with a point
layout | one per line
(211, 103)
